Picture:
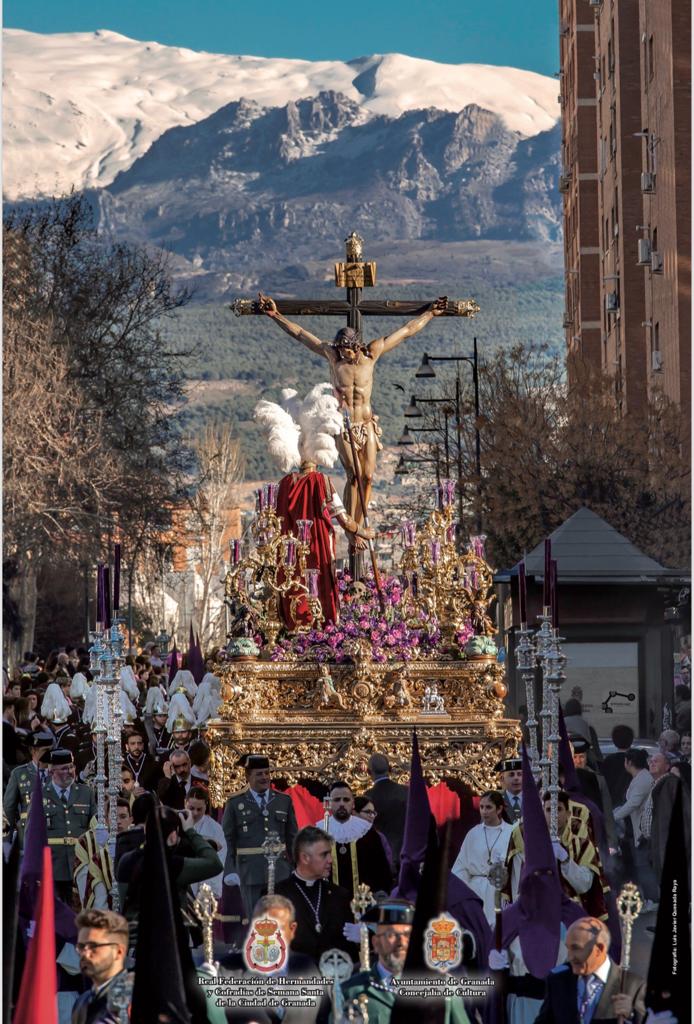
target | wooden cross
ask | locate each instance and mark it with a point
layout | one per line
(354, 275)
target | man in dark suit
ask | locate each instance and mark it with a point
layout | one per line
(102, 944)
(390, 801)
(322, 909)
(586, 989)
(172, 791)
(296, 965)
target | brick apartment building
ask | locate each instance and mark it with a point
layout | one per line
(625, 99)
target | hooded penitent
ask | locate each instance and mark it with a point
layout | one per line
(79, 687)
(183, 680)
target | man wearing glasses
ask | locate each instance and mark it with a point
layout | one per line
(102, 945)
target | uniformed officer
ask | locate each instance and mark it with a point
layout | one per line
(69, 806)
(20, 784)
(391, 925)
(511, 786)
(249, 817)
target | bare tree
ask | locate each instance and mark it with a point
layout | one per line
(212, 497)
(90, 440)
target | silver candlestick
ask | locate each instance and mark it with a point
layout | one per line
(526, 664)
(553, 668)
(543, 642)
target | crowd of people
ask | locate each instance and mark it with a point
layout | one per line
(613, 822)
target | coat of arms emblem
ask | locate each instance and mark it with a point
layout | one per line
(443, 943)
(265, 951)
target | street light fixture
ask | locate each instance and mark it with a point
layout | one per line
(412, 411)
(425, 369)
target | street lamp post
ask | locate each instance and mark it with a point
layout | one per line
(426, 371)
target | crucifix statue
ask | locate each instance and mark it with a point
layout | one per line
(351, 360)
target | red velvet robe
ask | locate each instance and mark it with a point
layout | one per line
(306, 496)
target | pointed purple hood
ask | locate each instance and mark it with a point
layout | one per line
(536, 915)
(416, 834)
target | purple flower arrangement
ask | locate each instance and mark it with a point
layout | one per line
(390, 637)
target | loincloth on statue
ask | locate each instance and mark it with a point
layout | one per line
(360, 434)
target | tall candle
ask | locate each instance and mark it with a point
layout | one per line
(548, 569)
(235, 552)
(415, 584)
(312, 582)
(116, 578)
(100, 594)
(522, 593)
(435, 551)
(291, 552)
(259, 500)
(272, 495)
(554, 594)
(107, 597)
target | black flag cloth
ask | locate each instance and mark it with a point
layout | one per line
(165, 984)
(669, 973)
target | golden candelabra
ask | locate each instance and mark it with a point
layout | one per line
(445, 585)
(276, 568)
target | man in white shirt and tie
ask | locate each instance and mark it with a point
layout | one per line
(588, 988)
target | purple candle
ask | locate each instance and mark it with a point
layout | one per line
(303, 529)
(415, 584)
(259, 500)
(107, 597)
(235, 552)
(447, 493)
(272, 495)
(291, 552)
(554, 595)
(435, 551)
(312, 582)
(522, 593)
(100, 594)
(116, 578)
(450, 534)
(548, 569)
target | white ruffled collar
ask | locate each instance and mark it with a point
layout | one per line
(346, 831)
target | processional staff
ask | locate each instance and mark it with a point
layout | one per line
(629, 906)
(363, 899)
(335, 966)
(205, 906)
(272, 848)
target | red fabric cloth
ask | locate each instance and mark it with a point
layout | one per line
(38, 993)
(444, 803)
(304, 496)
(307, 808)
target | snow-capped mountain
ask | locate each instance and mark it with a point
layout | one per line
(79, 108)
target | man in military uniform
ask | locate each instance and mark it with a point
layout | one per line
(69, 807)
(511, 786)
(249, 818)
(391, 924)
(21, 783)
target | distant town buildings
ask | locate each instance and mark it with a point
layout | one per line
(625, 89)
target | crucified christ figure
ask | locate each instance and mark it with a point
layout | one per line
(352, 375)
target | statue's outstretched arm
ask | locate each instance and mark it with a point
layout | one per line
(408, 330)
(294, 330)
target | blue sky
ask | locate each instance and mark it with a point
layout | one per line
(519, 33)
